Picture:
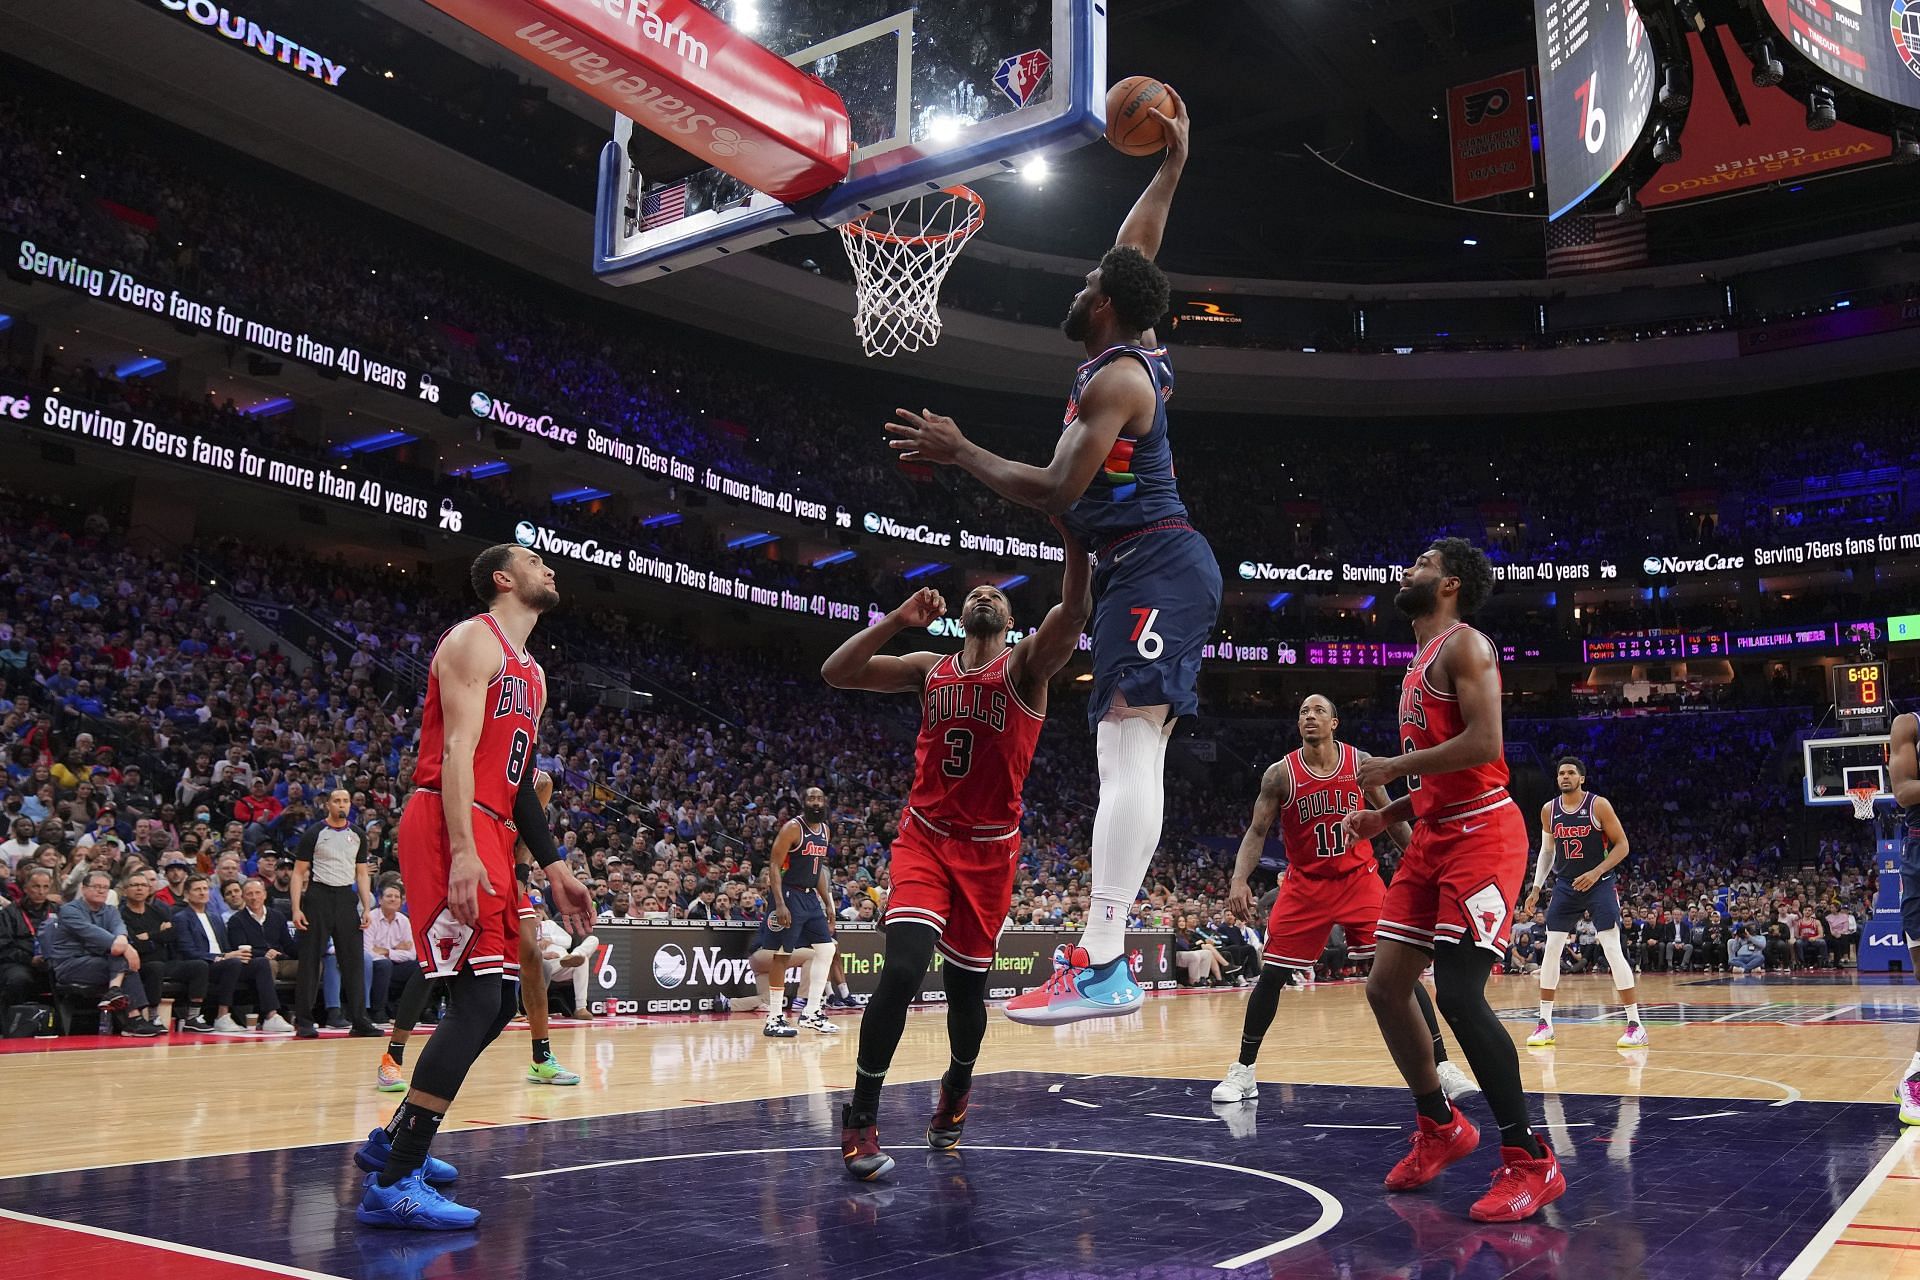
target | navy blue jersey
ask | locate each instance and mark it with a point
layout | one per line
(1135, 486)
(1578, 843)
(804, 863)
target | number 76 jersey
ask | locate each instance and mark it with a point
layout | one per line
(975, 747)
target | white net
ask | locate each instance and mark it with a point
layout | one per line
(1862, 798)
(900, 255)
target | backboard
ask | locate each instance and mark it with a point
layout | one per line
(939, 93)
(1833, 765)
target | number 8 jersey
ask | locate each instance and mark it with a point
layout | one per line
(505, 751)
(975, 747)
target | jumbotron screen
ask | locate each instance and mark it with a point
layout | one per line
(1596, 91)
(1873, 45)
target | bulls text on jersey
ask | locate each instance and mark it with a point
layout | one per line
(516, 697)
(1318, 804)
(967, 702)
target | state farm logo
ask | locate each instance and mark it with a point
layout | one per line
(728, 142)
(670, 966)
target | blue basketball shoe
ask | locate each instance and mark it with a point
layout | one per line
(372, 1156)
(1078, 990)
(411, 1205)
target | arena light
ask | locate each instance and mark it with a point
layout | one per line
(944, 128)
(838, 557)
(1666, 145)
(1017, 580)
(1906, 147)
(1368, 602)
(481, 471)
(269, 408)
(746, 16)
(374, 443)
(665, 520)
(6, 323)
(1278, 599)
(1768, 70)
(585, 493)
(145, 367)
(747, 542)
(1823, 112)
(1034, 170)
(924, 570)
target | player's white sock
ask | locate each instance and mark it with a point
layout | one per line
(765, 982)
(1633, 1012)
(1546, 1012)
(842, 990)
(1913, 1068)
(817, 972)
(1126, 826)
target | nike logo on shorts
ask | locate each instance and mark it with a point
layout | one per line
(1124, 554)
(1475, 827)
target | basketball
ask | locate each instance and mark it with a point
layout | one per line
(1132, 127)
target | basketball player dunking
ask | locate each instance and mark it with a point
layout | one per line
(474, 786)
(1904, 778)
(1156, 582)
(953, 862)
(1451, 901)
(1329, 882)
(1581, 842)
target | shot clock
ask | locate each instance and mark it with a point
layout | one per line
(1860, 697)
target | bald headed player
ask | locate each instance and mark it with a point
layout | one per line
(1904, 778)
(1156, 581)
(1329, 882)
(953, 862)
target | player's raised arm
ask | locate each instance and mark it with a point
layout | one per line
(1401, 832)
(465, 664)
(1147, 221)
(1053, 643)
(1276, 786)
(1903, 770)
(1118, 394)
(859, 664)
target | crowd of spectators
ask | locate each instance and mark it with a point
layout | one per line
(119, 191)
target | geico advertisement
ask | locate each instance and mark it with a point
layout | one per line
(663, 969)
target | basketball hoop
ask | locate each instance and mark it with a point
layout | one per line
(900, 256)
(1862, 798)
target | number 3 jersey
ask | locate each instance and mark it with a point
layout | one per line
(507, 734)
(975, 747)
(1310, 820)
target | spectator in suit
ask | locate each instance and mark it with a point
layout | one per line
(1643, 944)
(1679, 936)
(265, 930)
(90, 949)
(201, 935)
(151, 931)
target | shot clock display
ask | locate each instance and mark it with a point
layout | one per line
(1860, 696)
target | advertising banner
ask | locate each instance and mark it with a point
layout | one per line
(642, 969)
(1720, 155)
(1883, 942)
(1490, 132)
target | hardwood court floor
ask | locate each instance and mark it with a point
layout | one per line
(1782, 1044)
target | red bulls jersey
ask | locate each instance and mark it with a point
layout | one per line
(1428, 718)
(505, 750)
(975, 747)
(1310, 820)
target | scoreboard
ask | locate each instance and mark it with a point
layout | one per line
(1860, 697)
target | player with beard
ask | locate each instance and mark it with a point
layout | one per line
(800, 919)
(1451, 901)
(474, 795)
(1156, 582)
(953, 862)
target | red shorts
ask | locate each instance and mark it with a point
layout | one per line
(960, 886)
(1459, 881)
(1307, 909)
(526, 906)
(444, 945)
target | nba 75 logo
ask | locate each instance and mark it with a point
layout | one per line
(1489, 102)
(1019, 77)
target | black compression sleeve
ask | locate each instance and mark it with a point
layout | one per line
(531, 820)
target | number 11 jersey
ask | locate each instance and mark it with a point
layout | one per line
(975, 747)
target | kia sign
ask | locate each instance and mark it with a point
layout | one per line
(1596, 91)
(664, 969)
(1883, 940)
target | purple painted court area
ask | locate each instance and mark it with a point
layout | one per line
(1108, 1177)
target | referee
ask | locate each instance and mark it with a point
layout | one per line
(332, 898)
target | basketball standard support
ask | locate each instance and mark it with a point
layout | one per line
(686, 75)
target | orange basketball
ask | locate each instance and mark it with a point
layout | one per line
(1132, 127)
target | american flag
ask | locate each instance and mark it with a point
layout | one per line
(1578, 243)
(663, 205)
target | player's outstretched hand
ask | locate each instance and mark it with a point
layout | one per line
(1175, 125)
(925, 437)
(922, 607)
(466, 881)
(1363, 824)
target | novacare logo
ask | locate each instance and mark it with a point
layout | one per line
(589, 550)
(481, 403)
(1705, 564)
(1284, 573)
(543, 425)
(921, 534)
(524, 533)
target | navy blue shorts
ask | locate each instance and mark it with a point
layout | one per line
(1156, 598)
(809, 924)
(1566, 905)
(1910, 886)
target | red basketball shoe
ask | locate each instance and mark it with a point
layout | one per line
(949, 1118)
(1522, 1187)
(860, 1148)
(1435, 1146)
